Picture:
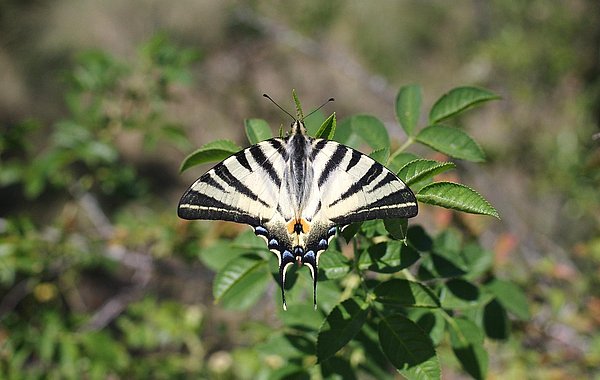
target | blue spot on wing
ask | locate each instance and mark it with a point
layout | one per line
(260, 230)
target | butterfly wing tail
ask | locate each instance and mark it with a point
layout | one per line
(310, 260)
(287, 259)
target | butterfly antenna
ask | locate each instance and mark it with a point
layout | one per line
(321, 106)
(278, 106)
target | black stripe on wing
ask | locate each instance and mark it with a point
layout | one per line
(224, 173)
(318, 146)
(399, 204)
(354, 160)
(241, 158)
(195, 205)
(262, 160)
(376, 193)
(375, 169)
(335, 161)
(389, 178)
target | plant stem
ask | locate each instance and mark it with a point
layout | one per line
(403, 147)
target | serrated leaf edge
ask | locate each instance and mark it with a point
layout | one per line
(494, 213)
(425, 173)
(465, 108)
(479, 148)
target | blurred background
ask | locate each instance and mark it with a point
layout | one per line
(101, 101)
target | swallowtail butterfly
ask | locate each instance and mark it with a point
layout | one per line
(295, 192)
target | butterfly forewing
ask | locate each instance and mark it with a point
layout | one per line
(244, 188)
(355, 188)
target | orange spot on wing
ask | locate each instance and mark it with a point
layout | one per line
(292, 224)
(305, 225)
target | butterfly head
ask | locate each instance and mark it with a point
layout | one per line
(298, 128)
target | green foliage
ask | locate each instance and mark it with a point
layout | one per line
(105, 99)
(213, 151)
(422, 169)
(458, 100)
(354, 130)
(408, 108)
(451, 141)
(46, 263)
(257, 130)
(369, 301)
(389, 299)
(327, 129)
(456, 196)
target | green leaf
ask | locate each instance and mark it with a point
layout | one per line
(306, 345)
(340, 326)
(278, 344)
(458, 100)
(375, 363)
(457, 197)
(387, 257)
(397, 161)
(461, 294)
(372, 228)
(448, 243)
(257, 130)
(48, 337)
(241, 282)
(451, 141)
(380, 155)
(418, 238)
(221, 252)
(176, 135)
(337, 368)
(408, 107)
(313, 122)
(301, 316)
(478, 261)
(212, 152)
(445, 259)
(431, 321)
(289, 372)
(408, 348)
(350, 230)
(299, 113)
(495, 321)
(333, 264)
(329, 296)
(327, 129)
(466, 339)
(511, 297)
(421, 169)
(397, 228)
(370, 129)
(405, 293)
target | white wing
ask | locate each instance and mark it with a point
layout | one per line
(243, 188)
(355, 188)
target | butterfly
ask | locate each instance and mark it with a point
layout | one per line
(295, 192)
